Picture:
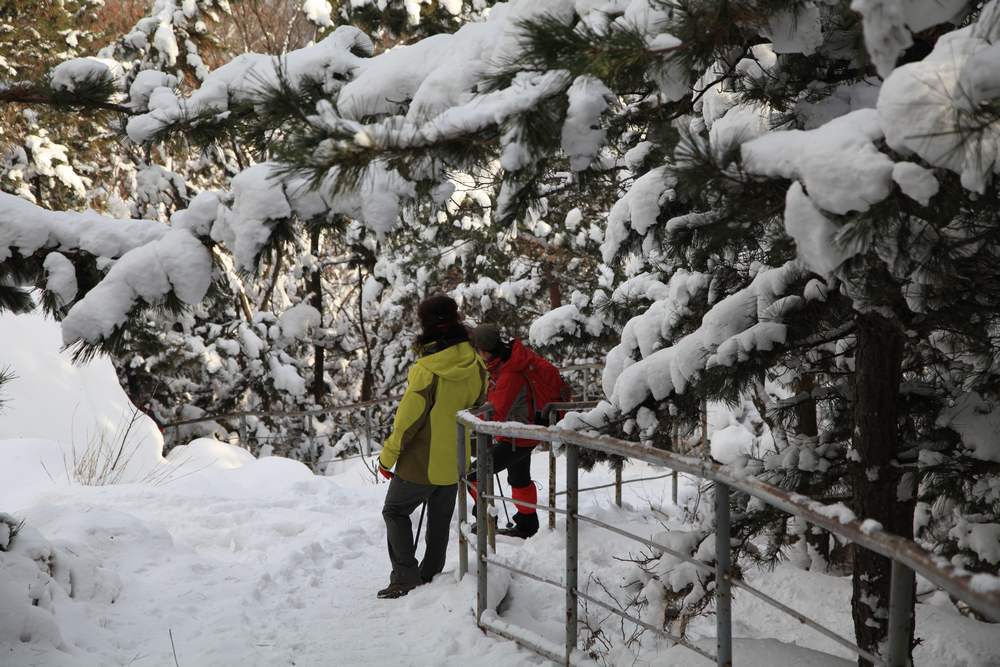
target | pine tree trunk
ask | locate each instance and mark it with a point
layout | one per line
(806, 423)
(555, 290)
(878, 370)
(319, 352)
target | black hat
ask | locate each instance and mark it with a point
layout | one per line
(486, 337)
(437, 312)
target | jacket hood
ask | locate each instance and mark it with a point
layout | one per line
(456, 362)
(520, 357)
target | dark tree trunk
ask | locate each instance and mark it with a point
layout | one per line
(316, 299)
(875, 481)
(555, 290)
(805, 412)
(368, 380)
(807, 426)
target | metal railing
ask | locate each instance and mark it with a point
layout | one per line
(907, 557)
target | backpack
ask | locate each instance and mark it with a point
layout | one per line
(545, 385)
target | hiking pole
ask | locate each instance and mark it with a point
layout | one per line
(420, 524)
(504, 502)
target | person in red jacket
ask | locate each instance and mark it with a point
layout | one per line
(510, 396)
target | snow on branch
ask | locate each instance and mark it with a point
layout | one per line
(944, 108)
(175, 264)
(153, 260)
(838, 163)
(733, 329)
(246, 80)
(638, 209)
(262, 196)
(888, 24)
(27, 229)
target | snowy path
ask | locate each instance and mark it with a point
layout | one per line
(267, 565)
(287, 580)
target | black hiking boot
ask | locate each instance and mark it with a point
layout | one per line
(517, 531)
(393, 591)
(524, 526)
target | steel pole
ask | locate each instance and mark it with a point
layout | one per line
(244, 434)
(618, 482)
(723, 597)
(900, 619)
(367, 449)
(482, 515)
(552, 476)
(463, 471)
(572, 537)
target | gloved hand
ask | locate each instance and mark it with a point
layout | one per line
(385, 472)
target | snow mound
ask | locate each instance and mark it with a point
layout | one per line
(209, 453)
(29, 466)
(219, 471)
(82, 407)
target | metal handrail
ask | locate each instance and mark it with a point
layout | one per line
(934, 569)
(558, 584)
(907, 557)
(802, 618)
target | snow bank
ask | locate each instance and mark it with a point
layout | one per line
(220, 472)
(81, 407)
(29, 467)
(209, 453)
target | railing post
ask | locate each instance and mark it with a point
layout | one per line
(244, 433)
(552, 476)
(572, 508)
(367, 448)
(463, 543)
(618, 482)
(900, 620)
(723, 594)
(483, 475)
(674, 443)
(368, 430)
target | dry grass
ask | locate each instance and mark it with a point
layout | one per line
(105, 459)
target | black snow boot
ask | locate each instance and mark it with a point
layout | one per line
(525, 525)
(393, 591)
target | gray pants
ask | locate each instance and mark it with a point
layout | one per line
(401, 500)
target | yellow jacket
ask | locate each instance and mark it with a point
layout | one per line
(422, 445)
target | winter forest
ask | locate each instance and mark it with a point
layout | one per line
(763, 234)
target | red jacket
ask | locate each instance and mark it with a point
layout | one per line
(509, 393)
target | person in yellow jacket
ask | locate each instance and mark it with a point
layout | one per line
(449, 376)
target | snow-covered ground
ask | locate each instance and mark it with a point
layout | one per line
(211, 557)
